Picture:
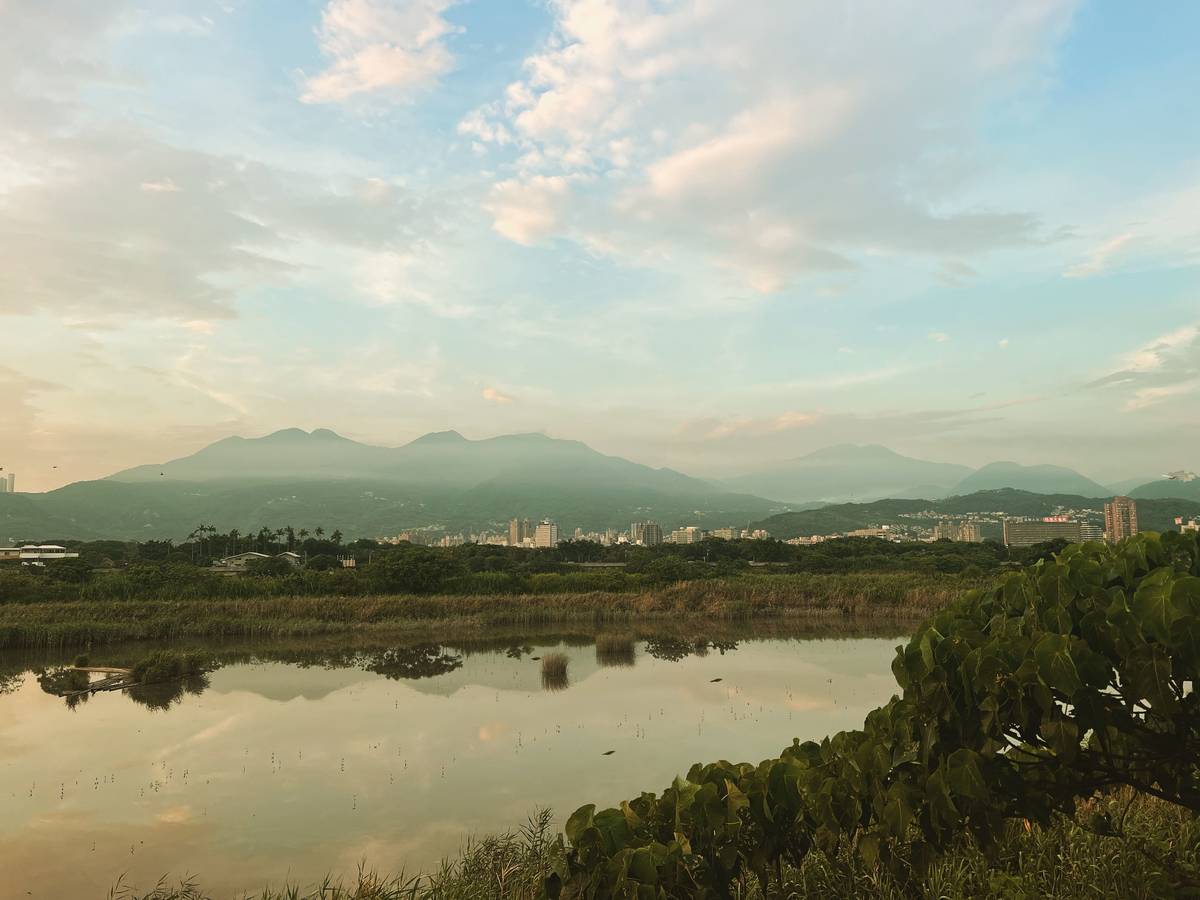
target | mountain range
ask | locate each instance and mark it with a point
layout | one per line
(443, 480)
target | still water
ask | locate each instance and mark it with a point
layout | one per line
(282, 765)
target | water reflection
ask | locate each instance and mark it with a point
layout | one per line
(617, 650)
(292, 759)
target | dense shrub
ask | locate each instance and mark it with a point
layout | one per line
(1068, 679)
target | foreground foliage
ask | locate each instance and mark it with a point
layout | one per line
(1062, 861)
(1066, 681)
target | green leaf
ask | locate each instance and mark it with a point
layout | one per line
(1147, 676)
(580, 821)
(1152, 606)
(1055, 665)
(868, 849)
(962, 772)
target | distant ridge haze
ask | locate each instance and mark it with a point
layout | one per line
(445, 480)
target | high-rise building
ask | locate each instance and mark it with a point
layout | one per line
(635, 533)
(957, 531)
(1120, 519)
(545, 534)
(689, 534)
(519, 532)
(1025, 533)
(8, 483)
(651, 534)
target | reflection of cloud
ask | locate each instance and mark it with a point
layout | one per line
(202, 736)
(493, 730)
(175, 815)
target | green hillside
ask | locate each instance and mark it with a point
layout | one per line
(1156, 514)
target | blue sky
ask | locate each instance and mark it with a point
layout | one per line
(698, 233)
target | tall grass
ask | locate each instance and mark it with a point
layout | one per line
(1062, 861)
(554, 672)
(890, 596)
(615, 650)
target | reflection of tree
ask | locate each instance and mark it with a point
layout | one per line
(163, 695)
(10, 681)
(676, 649)
(422, 661)
(72, 685)
(518, 652)
(66, 683)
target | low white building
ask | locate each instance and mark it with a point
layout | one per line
(36, 554)
(239, 562)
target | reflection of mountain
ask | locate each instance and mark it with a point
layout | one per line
(284, 682)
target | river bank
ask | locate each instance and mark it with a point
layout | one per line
(901, 597)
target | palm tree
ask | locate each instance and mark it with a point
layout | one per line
(319, 532)
(336, 537)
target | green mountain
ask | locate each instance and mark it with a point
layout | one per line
(1165, 487)
(851, 472)
(1153, 514)
(306, 479)
(1036, 479)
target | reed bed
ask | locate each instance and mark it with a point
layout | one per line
(616, 650)
(795, 598)
(554, 672)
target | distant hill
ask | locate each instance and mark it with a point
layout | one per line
(1153, 514)
(1165, 487)
(307, 479)
(851, 472)
(1036, 479)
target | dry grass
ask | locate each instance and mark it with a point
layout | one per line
(792, 598)
(554, 671)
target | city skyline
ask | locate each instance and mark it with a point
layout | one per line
(720, 234)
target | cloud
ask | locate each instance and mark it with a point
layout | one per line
(1002, 343)
(165, 186)
(1150, 396)
(1160, 370)
(389, 47)
(528, 211)
(766, 140)
(939, 337)
(1099, 259)
(493, 395)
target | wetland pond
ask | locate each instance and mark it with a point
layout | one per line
(286, 762)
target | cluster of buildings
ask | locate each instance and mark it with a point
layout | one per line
(36, 554)
(8, 483)
(544, 533)
(1119, 522)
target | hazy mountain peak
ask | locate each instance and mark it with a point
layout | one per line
(847, 452)
(439, 437)
(1041, 479)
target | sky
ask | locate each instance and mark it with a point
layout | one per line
(708, 234)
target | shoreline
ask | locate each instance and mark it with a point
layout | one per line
(784, 600)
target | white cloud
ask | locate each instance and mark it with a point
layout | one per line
(163, 186)
(1002, 343)
(1159, 352)
(767, 139)
(1163, 369)
(1099, 259)
(392, 47)
(528, 211)
(939, 337)
(493, 395)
